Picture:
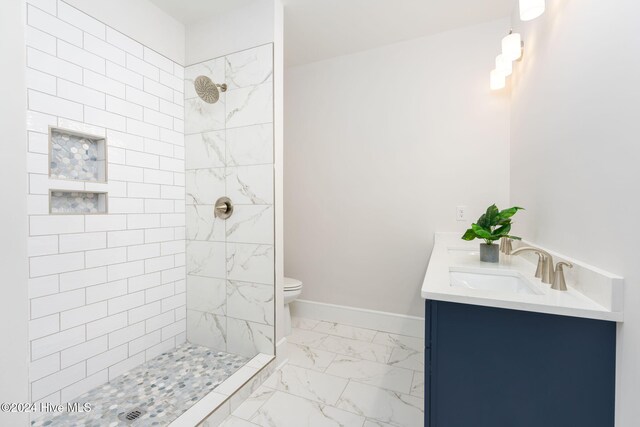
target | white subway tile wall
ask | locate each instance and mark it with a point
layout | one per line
(107, 292)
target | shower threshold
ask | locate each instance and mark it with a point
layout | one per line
(161, 390)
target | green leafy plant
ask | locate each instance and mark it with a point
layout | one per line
(492, 225)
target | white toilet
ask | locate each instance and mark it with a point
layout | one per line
(292, 290)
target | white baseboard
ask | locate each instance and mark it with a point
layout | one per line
(362, 318)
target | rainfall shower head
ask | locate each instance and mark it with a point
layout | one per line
(208, 90)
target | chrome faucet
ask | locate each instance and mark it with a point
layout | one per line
(545, 268)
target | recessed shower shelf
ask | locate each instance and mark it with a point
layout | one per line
(65, 202)
(77, 156)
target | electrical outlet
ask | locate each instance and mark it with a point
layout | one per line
(461, 213)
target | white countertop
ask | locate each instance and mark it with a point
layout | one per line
(593, 293)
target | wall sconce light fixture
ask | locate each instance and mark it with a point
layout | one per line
(512, 46)
(531, 9)
(504, 65)
(497, 80)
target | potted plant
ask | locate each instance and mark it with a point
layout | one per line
(491, 226)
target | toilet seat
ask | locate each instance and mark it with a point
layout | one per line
(292, 284)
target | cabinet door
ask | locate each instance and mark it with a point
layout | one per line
(491, 367)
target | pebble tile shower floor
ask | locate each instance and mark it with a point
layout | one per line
(163, 388)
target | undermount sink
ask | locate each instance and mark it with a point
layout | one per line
(497, 282)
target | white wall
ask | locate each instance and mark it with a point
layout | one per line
(575, 151)
(13, 216)
(238, 29)
(141, 20)
(106, 291)
(381, 146)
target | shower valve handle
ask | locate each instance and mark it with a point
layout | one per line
(223, 208)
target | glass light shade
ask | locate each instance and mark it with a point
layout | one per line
(512, 47)
(531, 9)
(497, 80)
(504, 65)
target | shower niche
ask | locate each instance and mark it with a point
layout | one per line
(80, 157)
(77, 202)
(77, 156)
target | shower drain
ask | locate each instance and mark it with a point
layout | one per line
(132, 415)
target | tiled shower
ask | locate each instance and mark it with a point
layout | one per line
(112, 287)
(229, 152)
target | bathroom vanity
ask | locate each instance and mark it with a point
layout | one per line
(503, 349)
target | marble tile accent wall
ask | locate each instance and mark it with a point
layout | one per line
(229, 152)
(107, 291)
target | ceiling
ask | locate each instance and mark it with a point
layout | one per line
(321, 29)
(190, 11)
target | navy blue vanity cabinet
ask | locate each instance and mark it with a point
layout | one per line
(491, 367)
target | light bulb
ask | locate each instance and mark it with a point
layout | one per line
(504, 65)
(496, 80)
(531, 9)
(512, 47)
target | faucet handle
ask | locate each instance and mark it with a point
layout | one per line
(559, 283)
(505, 245)
(540, 266)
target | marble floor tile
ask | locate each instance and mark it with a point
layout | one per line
(402, 341)
(309, 338)
(331, 380)
(372, 373)
(302, 323)
(286, 410)
(308, 384)
(409, 359)
(354, 348)
(417, 386)
(310, 358)
(345, 331)
(236, 422)
(249, 407)
(375, 423)
(372, 402)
